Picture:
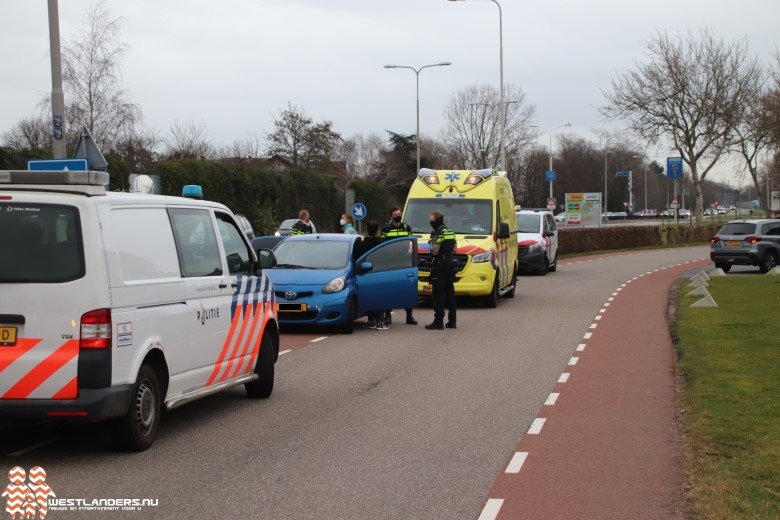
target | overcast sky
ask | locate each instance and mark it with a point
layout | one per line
(231, 64)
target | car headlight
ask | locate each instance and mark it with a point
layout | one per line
(334, 286)
(535, 248)
(482, 257)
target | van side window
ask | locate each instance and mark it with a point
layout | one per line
(237, 254)
(196, 242)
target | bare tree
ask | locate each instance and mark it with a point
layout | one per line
(31, 132)
(692, 91)
(91, 72)
(189, 141)
(248, 147)
(473, 125)
(363, 156)
(303, 142)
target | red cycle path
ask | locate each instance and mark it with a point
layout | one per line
(608, 448)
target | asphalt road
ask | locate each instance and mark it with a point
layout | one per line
(404, 423)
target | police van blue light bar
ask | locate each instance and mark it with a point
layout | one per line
(62, 177)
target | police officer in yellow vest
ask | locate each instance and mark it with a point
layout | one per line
(442, 243)
(394, 228)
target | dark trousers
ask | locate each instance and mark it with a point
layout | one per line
(444, 295)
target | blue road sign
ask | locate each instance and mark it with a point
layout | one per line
(359, 211)
(79, 165)
(674, 167)
(624, 173)
(549, 175)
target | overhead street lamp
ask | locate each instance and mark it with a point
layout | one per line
(550, 131)
(417, 74)
(501, 147)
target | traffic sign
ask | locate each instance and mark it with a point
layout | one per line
(624, 173)
(359, 211)
(674, 167)
(79, 165)
(549, 175)
(551, 203)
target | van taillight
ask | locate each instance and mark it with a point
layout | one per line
(96, 329)
(714, 240)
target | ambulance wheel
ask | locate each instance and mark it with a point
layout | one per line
(511, 292)
(491, 300)
(136, 430)
(262, 387)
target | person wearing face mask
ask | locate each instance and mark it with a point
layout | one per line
(346, 224)
(442, 243)
(394, 228)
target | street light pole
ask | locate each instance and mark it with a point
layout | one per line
(57, 96)
(502, 106)
(550, 149)
(417, 74)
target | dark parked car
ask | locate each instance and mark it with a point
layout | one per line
(747, 242)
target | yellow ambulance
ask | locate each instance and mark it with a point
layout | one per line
(479, 208)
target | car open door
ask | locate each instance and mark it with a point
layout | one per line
(387, 275)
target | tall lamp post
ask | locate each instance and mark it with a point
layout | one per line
(501, 147)
(417, 74)
(550, 131)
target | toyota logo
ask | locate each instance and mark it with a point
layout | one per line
(290, 295)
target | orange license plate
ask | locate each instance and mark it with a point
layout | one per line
(7, 336)
(428, 289)
(733, 243)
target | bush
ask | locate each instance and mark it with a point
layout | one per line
(582, 240)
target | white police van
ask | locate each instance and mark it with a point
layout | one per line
(113, 305)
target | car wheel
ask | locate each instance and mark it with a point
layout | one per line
(554, 265)
(511, 292)
(491, 300)
(768, 263)
(545, 267)
(136, 430)
(726, 267)
(349, 326)
(262, 387)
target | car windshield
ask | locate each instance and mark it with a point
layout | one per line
(312, 254)
(737, 228)
(462, 216)
(528, 222)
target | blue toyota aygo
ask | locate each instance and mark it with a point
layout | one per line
(330, 279)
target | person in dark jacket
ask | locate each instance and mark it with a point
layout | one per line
(394, 228)
(376, 318)
(303, 226)
(442, 277)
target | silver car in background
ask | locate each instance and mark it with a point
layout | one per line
(747, 242)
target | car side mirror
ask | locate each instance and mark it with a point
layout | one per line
(503, 231)
(549, 233)
(266, 259)
(366, 267)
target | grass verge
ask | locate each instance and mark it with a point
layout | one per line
(729, 363)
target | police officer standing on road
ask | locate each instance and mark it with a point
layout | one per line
(442, 277)
(394, 228)
(302, 227)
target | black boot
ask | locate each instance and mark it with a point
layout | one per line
(451, 325)
(436, 325)
(410, 319)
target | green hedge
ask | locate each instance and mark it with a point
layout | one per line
(583, 240)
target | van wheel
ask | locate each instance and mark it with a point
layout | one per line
(349, 326)
(136, 430)
(545, 267)
(262, 387)
(554, 265)
(491, 300)
(511, 292)
(768, 263)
